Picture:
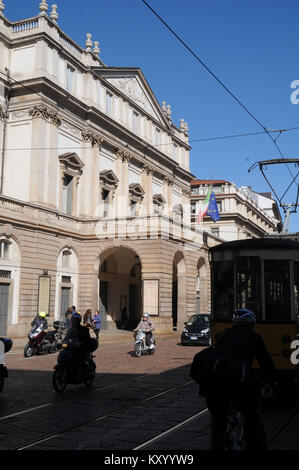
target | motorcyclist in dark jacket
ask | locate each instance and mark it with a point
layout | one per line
(40, 319)
(235, 381)
(79, 338)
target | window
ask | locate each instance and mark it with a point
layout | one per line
(193, 208)
(66, 258)
(105, 202)
(4, 249)
(175, 152)
(109, 103)
(135, 122)
(215, 232)
(133, 208)
(67, 194)
(157, 137)
(70, 71)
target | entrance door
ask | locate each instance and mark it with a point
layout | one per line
(103, 303)
(4, 292)
(65, 301)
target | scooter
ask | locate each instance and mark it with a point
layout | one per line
(5, 346)
(42, 342)
(72, 370)
(140, 343)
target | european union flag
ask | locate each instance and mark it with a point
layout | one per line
(213, 209)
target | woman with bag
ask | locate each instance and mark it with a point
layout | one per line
(97, 323)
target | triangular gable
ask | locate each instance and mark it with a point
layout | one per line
(136, 190)
(132, 83)
(158, 199)
(108, 177)
(71, 160)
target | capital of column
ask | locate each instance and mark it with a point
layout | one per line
(92, 137)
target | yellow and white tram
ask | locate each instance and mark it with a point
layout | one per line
(262, 275)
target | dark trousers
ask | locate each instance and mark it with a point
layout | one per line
(245, 400)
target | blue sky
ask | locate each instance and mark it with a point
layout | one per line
(251, 45)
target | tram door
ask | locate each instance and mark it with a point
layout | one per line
(4, 292)
(103, 302)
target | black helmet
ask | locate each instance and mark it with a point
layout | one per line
(76, 317)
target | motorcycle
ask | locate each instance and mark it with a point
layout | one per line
(42, 342)
(5, 346)
(72, 370)
(140, 343)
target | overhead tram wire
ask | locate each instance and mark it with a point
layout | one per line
(216, 78)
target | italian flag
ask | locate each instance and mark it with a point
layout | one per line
(204, 206)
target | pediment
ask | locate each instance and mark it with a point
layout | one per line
(71, 160)
(136, 190)
(109, 178)
(132, 83)
(158, 199)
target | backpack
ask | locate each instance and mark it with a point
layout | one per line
(203, 368)
(210, 369)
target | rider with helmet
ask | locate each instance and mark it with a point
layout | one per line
(146, 324)
(40, 319)
(234, 381)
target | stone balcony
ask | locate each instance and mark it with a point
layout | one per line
(145, 227)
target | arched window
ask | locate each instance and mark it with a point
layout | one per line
(4, 249)
(66, 258)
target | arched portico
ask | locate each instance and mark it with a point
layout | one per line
(203, 286)
(178, 290)
(119, 288)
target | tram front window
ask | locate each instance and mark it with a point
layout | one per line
(248, 284)
(223, 297)
(277, 291)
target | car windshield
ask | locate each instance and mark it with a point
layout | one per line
(198, 320)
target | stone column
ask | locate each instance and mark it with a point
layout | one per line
(43, 118)
(121, 198)
(147, 185)
(90, 188)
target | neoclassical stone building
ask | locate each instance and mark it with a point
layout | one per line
(94, 187)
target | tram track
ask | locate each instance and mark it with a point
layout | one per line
(101, 417)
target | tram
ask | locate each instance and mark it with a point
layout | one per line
(261, 274)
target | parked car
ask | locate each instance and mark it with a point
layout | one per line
(197, 330)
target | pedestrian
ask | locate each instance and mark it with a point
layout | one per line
(232, 373)
(87, 319)
(68, 316)
(97, 323)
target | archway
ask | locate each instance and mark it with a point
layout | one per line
(120, 288)
(178, 290)
(202, 287)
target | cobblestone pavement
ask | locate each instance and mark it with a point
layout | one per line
(30, 410)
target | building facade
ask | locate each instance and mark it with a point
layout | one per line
(94, 187)
(243, 213)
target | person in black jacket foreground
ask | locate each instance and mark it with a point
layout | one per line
(79, 337)
(233, 381)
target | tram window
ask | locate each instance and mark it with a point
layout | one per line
(223, 299)
(277, 291)
(248, 284)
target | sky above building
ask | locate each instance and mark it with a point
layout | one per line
(251, 46)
